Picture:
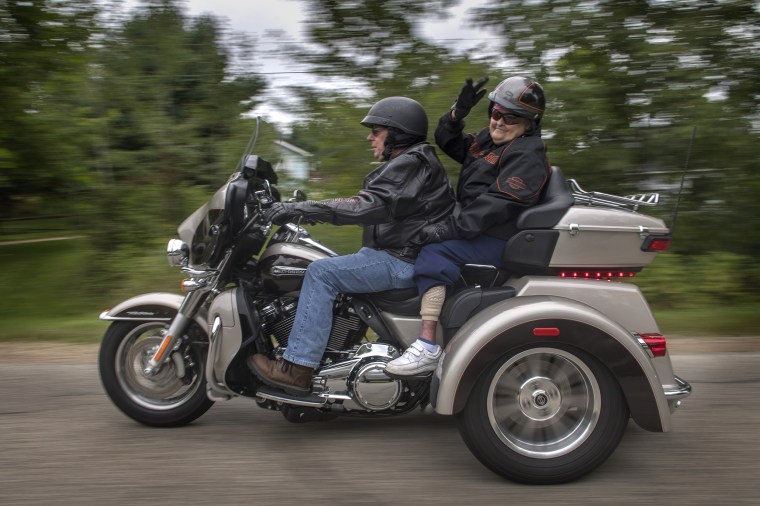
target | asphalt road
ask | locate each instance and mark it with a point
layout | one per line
(63, 442)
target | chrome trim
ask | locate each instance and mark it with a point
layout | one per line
(177, 253)
(544, 403)
(681, 391)
(632, 202)
(300, 235)
(644, 345)
(173, 334)
(308, 241)
(354, 381)
(214, 338)
(576, 228)
(281, 270)
(191, 285)
(290, 400)
(197, 273)
(162, 391)
(105, 316)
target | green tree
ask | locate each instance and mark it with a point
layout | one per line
(172, 130)
(366, 51)
(628, 81)
(172, 111)
(45, 128)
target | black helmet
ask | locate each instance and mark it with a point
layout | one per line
(523, 96)
(402, 113)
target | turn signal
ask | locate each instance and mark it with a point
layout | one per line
(190, 285)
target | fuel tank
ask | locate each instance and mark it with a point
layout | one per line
(283, 266)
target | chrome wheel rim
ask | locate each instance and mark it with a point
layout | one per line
(544, 402)
(161, 392)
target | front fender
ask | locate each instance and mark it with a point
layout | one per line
(510, 324)
(150, 307)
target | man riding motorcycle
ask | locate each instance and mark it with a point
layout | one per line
(405, 193)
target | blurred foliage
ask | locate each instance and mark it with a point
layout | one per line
(688, 281)
(128, 121)
(628, 80)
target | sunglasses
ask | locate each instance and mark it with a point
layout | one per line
(376, 130)
(506, 117)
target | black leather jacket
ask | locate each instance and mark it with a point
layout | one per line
(496, 182)
(399, 198)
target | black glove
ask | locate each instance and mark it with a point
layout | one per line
(281, 212)
(468, 97)
(438, 232)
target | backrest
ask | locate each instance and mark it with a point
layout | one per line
(552, 206)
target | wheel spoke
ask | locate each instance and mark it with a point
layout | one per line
(161, 391)
(541, 402)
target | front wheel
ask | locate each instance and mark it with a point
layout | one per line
(542, 415)
(161, 400)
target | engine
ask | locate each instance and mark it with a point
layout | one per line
(355, 380)
(279, 315)
(360, 383)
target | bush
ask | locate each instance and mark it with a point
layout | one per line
(680, 281)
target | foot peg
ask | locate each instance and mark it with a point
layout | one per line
(272, 394)
(417, 377)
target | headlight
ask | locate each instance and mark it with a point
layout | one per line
(177, 253)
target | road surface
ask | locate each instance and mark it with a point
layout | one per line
(63, 442)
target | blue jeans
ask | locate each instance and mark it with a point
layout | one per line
(365, 271)
(441, 263)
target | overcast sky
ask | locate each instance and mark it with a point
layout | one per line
(257, 17)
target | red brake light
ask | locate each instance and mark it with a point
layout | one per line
(656, 243)
(600, 275)
(656, 343)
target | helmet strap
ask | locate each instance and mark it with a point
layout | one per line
(390, 144)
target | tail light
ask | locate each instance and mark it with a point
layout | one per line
(656, 344)
(656, 243)
(596, 274)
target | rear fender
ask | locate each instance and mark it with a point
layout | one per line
(150, 307)
(510, 324)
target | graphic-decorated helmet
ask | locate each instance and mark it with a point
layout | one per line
(522, 96)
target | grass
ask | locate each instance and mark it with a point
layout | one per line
(723, 321)
(51, 293)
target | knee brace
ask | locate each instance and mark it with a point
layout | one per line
(432, 302)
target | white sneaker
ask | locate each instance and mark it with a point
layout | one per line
(416, 360)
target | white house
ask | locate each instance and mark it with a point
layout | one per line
(293, 163)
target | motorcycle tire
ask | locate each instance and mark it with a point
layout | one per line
(162, 400)
(544, 414)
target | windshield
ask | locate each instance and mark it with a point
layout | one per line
(209, 229)
(263, 141)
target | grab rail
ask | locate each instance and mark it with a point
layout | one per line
(632, 202)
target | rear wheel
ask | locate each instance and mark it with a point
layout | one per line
(546, 414)
(162, 400)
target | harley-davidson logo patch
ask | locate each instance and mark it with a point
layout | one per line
(516, 183)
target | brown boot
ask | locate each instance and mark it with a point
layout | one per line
(293, 378)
